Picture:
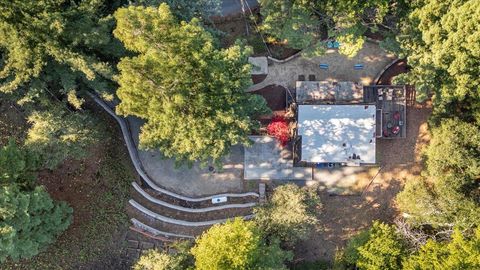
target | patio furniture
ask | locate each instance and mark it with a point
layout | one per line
(358, 66)
(336, 44)
(311, 77)
(301, 77)
(389, 124)
(396, 115)
(330, 44)
(323, 66)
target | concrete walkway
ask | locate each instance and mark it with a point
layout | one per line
(340, 67)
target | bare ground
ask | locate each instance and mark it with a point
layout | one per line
(343, 216)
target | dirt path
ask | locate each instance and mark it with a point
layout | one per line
(344, 216)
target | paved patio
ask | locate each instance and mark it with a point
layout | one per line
(340, 68)
(344, 180)
(195, 181)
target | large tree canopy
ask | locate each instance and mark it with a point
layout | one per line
(303, 23)
(190, 93)
(61, 44)
(441, 40)
(187, 9)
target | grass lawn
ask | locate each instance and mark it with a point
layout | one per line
(97, 188)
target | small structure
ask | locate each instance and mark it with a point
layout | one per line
(341, 134)
(259, 65)
(317, 92)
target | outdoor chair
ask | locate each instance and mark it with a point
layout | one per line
(301, 77)
(330, 44)
(336, 44)
(323, 66)
(358, 66)
(311, 77)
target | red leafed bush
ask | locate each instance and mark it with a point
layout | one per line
(278, 128)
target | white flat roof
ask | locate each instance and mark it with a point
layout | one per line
(333, 133)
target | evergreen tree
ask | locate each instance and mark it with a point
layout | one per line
(237, 245)
(17, 165)
(56, 44)
(440, 40)
(190, 93)
(29, 220)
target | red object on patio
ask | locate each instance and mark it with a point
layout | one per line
(396, 115)
(395, 130)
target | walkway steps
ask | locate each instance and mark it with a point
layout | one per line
(197, 205)
(163, 226)
(188, 214)
(152, 231)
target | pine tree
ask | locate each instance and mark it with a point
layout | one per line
(29, 220)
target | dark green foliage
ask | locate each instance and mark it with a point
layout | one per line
(315, 265)
(459, 253)
(186, 10)
(379, 248)
(17, 165)
(289, 214)
(57, 134)
(29, 220)
(440, 40)
(56, 44)
(190, 93)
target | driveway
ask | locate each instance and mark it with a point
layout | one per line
(230, 7)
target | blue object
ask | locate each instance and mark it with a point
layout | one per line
(358, 66)
(330, 44)
(323, 66)
(336, 44)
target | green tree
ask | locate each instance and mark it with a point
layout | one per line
(454, 148)
(438, 202)
(57, 134)
(180, 259)
(186, 10)
(440, 40)
(29, 220)
(459, 253)
(190, 93)
(17, 165)
(64, 43)
(290, 214)
(303, 23)
(239, 245)
(378, 248)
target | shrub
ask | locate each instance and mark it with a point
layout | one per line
(279, 129)
(239, 245)
(290, 214)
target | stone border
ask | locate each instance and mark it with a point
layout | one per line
(186, 209)
(375, 81)
(159, 217)
(132, 150)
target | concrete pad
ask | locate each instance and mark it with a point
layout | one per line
(267, 160)
(259, 65)
(195, 181)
